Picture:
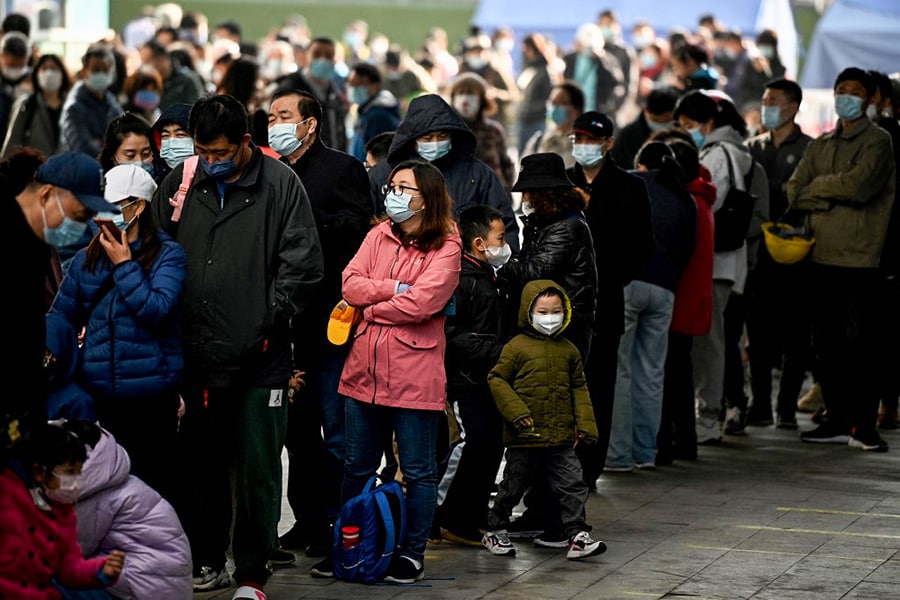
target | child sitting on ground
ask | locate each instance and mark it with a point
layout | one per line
(540, 390)
(39, 553)
(475, 336)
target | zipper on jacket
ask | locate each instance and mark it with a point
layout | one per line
(396, 261)
(374, 363)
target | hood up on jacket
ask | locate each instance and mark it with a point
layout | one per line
(107, 465)
(530, 293)
(177, 113)
(427, 113)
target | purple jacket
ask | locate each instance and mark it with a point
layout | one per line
(118, 511)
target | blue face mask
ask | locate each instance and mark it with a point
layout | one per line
(698, 137)
(587, 155)
(357, 94)
(431, 151)
(397, 206)
(771, 117)
(848, 107)
(557, 113)
(321, 68)
(67, 233)
(176, 150)
(221, 169)
(283, 138)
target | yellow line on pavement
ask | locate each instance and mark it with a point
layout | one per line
(837, 512)
(780, 552)
(821, 532)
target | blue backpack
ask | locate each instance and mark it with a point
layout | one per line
(380, 513)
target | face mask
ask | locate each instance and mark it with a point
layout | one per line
(871, 112)
(321, 68)
(357, 94)
(431, 151)
(609, 34)
(146, 100)
(353, 39)
(698, 137)
(50, 80)
(176, 150)
(397, 206)
(68, 490)
(848, 107)
(466, 105)
(67, 233)
(527, 209)
(506, 45)
(14, 73)
(587, 155)
(547, 324)
(656, 125)
(648, 60)
(642, 40)
(771, 117)
(767, 52)
(476, 62)
(283, 138)
(98, 82)
(497, 256)
(557, 113)
(221, 169)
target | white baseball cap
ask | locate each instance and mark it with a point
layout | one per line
(127, 181)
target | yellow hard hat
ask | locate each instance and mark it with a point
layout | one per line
(785, 246)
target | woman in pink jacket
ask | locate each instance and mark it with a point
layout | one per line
(402, 278)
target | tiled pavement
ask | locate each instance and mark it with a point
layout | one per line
(761, 516)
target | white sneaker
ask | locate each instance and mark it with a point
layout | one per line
(709, 431)
(582, 545)
(246, 592)
(210, 579)
(497, 542)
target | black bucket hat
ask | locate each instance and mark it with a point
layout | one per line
(545, 170)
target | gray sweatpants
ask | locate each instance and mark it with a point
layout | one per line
(708, 356)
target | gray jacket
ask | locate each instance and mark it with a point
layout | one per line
(31, 124)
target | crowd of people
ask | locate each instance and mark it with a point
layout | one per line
(598, 260)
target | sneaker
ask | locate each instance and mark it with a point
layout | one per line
(323, 568)
(463, 538)
(406, 570)
(498, 543)
(618, 468)
(279, 557)
(248, 592)
(647, 466)
(869, 441)
(826, 434)
(709, 431)
(812, 400)
(734, 421)
(582, 545)
(551, 539)
(524, 527)
(211, 579)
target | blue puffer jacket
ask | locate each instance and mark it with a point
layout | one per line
(132, 342)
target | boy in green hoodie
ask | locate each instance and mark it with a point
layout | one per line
(539, 388)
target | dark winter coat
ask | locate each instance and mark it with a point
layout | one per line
(84, 120)
(469, 180)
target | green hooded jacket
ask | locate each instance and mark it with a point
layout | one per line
(542, 376)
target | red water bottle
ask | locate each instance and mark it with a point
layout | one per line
(350, 536)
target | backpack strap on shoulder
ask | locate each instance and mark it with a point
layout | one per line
(187, 177)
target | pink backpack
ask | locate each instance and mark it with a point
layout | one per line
(187, 176)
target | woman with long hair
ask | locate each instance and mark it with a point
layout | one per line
(401, 280)
(129, 140)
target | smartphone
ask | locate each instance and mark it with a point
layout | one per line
(110, 228)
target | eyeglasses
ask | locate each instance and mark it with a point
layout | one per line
(397, 189)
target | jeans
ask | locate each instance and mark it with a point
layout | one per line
(639, 382)
(416, 430)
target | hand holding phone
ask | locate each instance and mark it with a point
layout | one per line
(111, 229)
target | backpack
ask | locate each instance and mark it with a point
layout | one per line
(732, 220)
(187, 177)
(380, 513)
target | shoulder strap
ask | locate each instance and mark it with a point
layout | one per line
(187, 177)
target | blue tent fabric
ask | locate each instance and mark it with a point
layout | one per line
(560, 18)
(853, 33)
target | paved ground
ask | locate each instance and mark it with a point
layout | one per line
(762, 516)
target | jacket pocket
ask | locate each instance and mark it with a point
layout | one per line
(416, 340)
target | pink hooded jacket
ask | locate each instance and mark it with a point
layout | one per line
(397, 353)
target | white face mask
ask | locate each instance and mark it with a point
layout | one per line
(497, 256)
(466, 105)
(15, 73)
(68, 490)
(49, 79)
(547, 324)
